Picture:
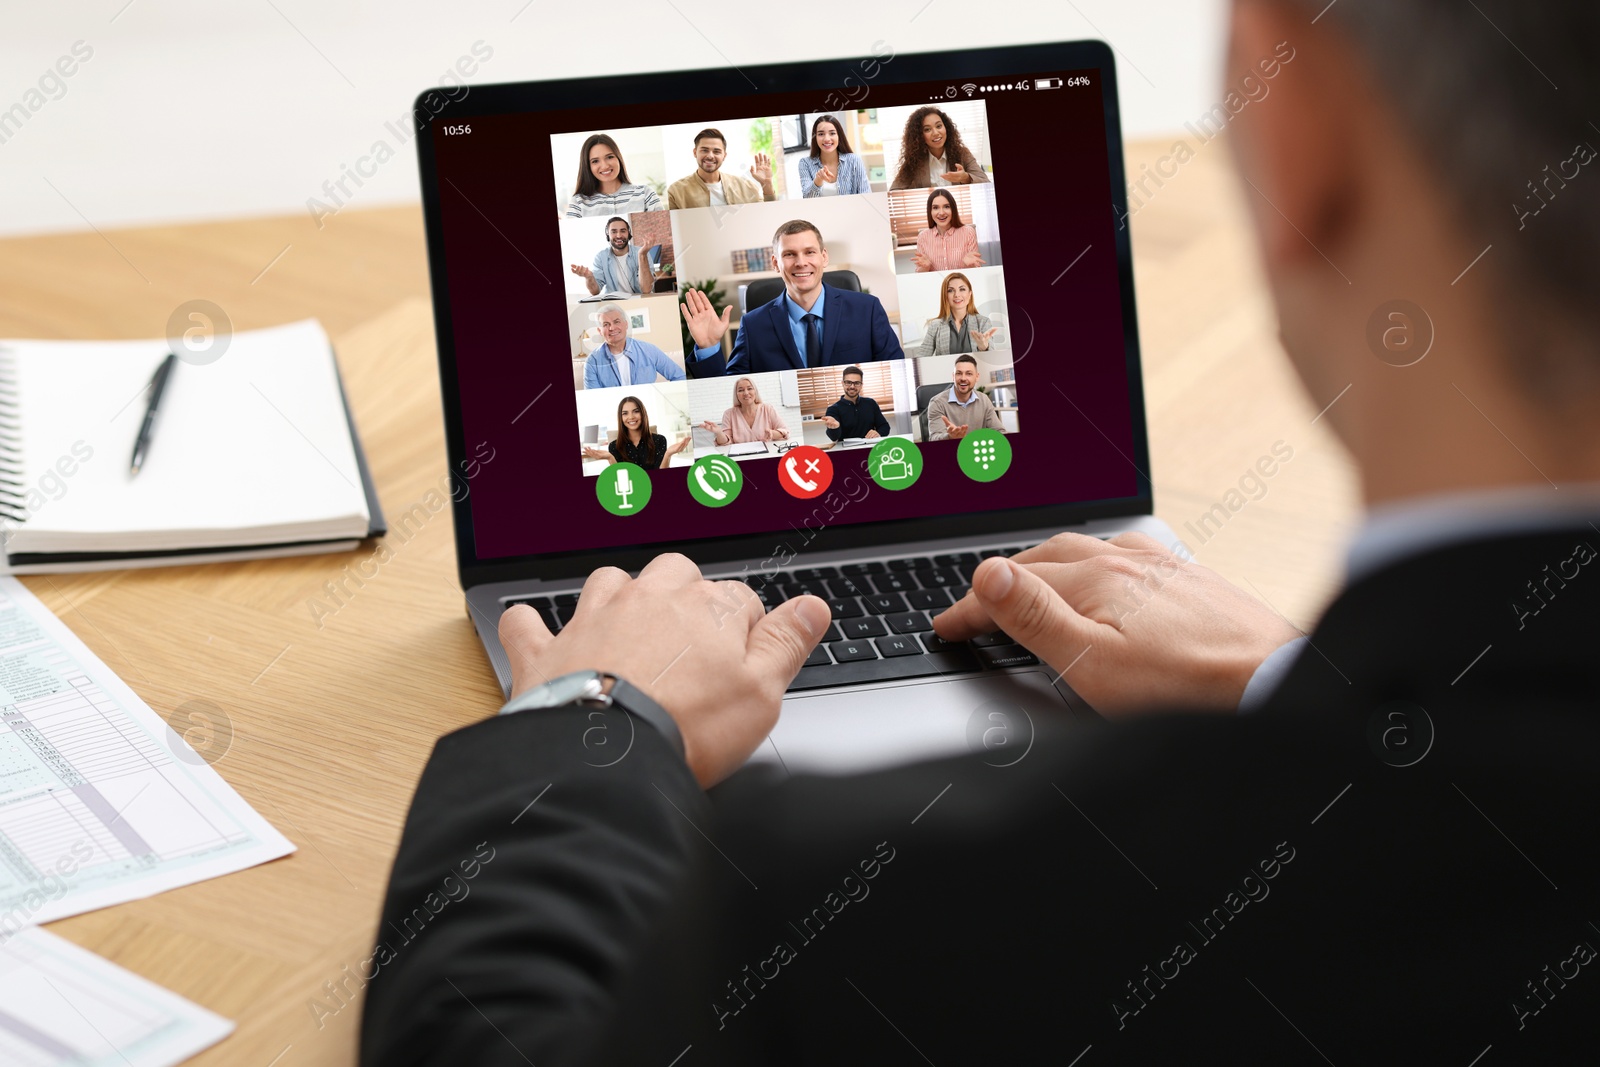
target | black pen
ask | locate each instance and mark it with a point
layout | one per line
(147, 429)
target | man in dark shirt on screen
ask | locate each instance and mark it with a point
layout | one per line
(854, 415)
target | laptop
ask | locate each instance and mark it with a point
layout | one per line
(871, 496)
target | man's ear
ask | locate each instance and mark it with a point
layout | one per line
(1296, 148)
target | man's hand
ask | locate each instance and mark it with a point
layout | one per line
(704, 324)
(702, 650)
(830, 422)
(870, 434)
(586, 273)
(1133, 627)
(954, 429)
(761, 171)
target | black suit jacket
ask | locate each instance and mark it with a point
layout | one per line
(1327, 879)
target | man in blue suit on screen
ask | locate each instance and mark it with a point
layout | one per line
(809, 325)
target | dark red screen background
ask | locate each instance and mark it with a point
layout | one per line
(504, 264)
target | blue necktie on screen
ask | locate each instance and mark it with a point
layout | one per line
(813, 342)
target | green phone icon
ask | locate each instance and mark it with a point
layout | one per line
(715, 481)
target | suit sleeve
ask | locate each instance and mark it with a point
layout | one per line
(739, 362)
(885, 345)
(970, 164)
(527, 881)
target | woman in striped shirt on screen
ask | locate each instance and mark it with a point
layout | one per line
(603, 187)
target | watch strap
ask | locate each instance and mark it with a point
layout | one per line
(633, 700)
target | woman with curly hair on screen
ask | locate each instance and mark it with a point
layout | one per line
(932, 154)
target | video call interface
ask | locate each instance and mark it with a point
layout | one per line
(778, 315)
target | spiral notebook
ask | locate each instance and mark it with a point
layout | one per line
(255, 454)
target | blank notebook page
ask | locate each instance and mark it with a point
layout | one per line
(254, 448)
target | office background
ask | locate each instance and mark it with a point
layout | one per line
(919, 302)
(652, 320)
(248, 109)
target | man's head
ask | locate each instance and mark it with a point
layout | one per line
(852, 379)
(1402, 156)
(618, 233)
(710, 149)
(799, 255)
(613, 326)
(965, 376)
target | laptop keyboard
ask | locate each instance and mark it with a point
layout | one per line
(882, 626)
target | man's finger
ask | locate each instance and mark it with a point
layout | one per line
(1068, 548)
(670, 569)
(600, 587)
(523, 627)
(781, 639)
(1025, 606)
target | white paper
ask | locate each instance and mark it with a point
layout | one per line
(100, 801)
(60, 1004)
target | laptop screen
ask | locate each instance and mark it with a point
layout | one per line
(679, 321)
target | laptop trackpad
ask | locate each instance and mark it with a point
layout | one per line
(863, 729)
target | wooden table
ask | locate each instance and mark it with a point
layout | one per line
(332, 723)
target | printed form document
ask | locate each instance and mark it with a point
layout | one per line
(100, 801)
(60, 1004)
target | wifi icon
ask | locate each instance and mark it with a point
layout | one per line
(969, 88)
(715, 481)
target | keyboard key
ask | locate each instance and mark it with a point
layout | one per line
(955, 559)
(564, 612)
(818, 657)
(1006, 656)
(929, 599)
(934, 643)
(770, 595)
(990, 552)
(850, 651)
(883, 670)
(568, 600)
(992, 640)
(1019, 548)
(532, 601)
(894, 583)
(865, 626)
(900, 645)
(813, 574)
(909, 622)
(848, 586)
(884, 603)
(910, 564)
(959, 591)
(861, 568)
(939, 577)
(844, 607)
(833, 634)
(813, 588)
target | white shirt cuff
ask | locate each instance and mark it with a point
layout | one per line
(1269, 674)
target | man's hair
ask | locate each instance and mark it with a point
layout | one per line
(605, 309)
(708, 132)
(968, 359)
(852, 370)
(1496, 122)
(796, 226)
(619, 218)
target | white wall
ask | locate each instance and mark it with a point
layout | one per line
(192, 110)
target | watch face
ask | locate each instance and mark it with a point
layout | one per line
(566, 689)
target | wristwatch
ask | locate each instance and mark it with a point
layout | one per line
(596, 689)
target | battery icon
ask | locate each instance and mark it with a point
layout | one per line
(1047, 83)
